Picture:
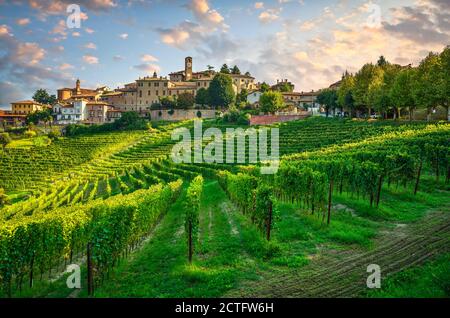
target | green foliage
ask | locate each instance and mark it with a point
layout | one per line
(5, 139)
(168, 102)
(43, 97)
(329, 99)
(202, 97)
(235, 70)
(270, 102)
(3, 198)
(192, 208)
(220, 91)
(225, 69)
(128, 121)
(265, 87)
(185, 101)
(110, 226)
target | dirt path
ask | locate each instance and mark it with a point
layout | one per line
(343, 273)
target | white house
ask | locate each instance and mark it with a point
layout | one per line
(253, 97)
(70, 113)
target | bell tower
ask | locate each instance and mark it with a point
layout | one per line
(77, 87)
(188, 68)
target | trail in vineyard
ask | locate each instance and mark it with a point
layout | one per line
(344, 273)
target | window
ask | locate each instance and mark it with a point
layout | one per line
(140, 93)
(148, 93)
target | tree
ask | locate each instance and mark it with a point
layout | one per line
(41, 96)
(185, 101)
(168, 102)
(445, 74)
(427, 88)
(367, 80)
(5, 139)
(210, 67)
(202, 97)
(129, 120)
(285, 88)
(382, 61)
(264, 87)
(220, 91)
(328, 98)
(225, 69)
(248, 74)
(235, 70)
(345, 93)
(401, 92)
(242, 96)
(3, 198)
(270, 102)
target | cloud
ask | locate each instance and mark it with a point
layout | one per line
(5, 30)
(427, 23)
(194, 34)
(29, 53)
(22, 65)
(76, 34)
(147, 68)
(23, 21)
(269, 15)
(59, 7)
(118, 58)
(148, 58)
(123, 36)
(89, 59)
(65, 66)
(204, 14)
(259, 5)
(89, 30)
(90, 46)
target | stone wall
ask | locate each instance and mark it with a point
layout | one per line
(182, 114)
(271, 119)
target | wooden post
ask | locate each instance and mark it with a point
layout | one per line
(190, 242)
(90, 277)
(330, 192)
(269, 220)
(31, 271)
(416, 187)
(380, 183)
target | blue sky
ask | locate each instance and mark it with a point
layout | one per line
(308, 42)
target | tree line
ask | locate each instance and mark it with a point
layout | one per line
(388, 89)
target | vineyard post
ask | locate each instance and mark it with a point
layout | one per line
(269, 219)
(416, 187)
(330, 192)
(31, 271)
(380, 183)
(190, 242)
(90, 277)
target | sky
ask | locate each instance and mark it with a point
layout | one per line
(309, 42)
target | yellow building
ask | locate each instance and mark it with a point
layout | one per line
(26, 107)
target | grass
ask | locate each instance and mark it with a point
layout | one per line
(431, 280)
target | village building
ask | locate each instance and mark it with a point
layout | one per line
(27, 107)
(65, 94)
(70, 112)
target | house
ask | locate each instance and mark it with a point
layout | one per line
(97, 112)
(253, 97)
(281, 85)
(27, 107)
(70, 112)
(8, 118)
(113, 114)
(307, 100)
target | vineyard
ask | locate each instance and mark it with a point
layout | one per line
(141, 225)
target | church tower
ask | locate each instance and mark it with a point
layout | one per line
(77, 87)
(188, 68)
